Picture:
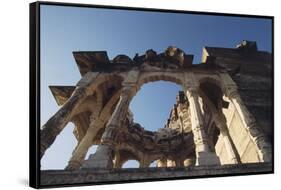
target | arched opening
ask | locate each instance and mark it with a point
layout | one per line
(62, 148)
(91, 151)
(153, 164)
(107, 89)
(126, 157)
(131, 164)
(213, 92)
(153, 103)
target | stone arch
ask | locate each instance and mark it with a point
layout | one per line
(123, 163)
(125, 153)
(107, 89)
(158, 76)
(135, 152)
(96, 102)
(149, 77)
(212, 80)
(213, 90)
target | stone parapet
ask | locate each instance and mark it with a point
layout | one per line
(95, 176)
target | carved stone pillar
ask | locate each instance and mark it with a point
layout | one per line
(82, 148)
(103, 158)
(264, 148)
(221, 124)
(144, 162)
(57, 122)
(117, 163)
(203, 154)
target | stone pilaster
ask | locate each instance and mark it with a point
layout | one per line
(82, 148)
(59, 120)
(117, 163)
(203, 154)
(221, 124)
(144, 162)
(264, 148)
(103, 158)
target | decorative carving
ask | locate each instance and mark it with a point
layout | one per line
(171, 58)
(175, 55)
(151, 56)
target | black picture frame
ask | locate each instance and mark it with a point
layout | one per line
(34, 83)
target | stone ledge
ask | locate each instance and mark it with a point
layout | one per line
(64, 177)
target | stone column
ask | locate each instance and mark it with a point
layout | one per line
(57, 122)
(144, 162)
(105, 151)
(82, 148)
(264, 148)
(117, 163)
(203, 154)
(221, 124)
(179, 163)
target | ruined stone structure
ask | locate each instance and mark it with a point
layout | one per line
(221, 118)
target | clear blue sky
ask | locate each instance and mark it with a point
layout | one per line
(68, 29)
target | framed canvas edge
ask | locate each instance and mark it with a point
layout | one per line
(34, 95)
